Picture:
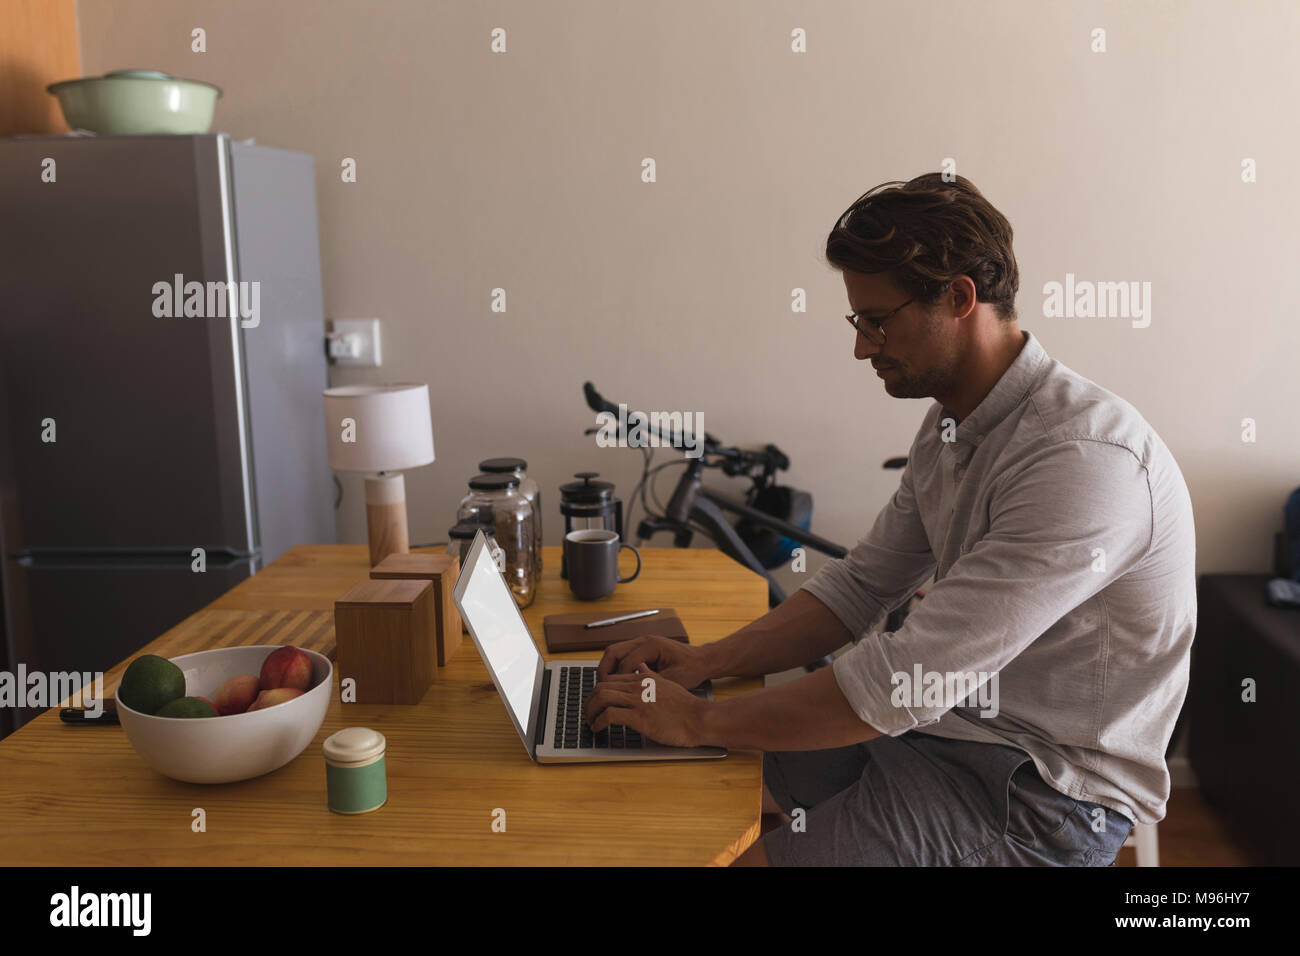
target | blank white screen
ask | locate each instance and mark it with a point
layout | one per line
(490, 609)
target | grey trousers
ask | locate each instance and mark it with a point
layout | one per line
(921, 800)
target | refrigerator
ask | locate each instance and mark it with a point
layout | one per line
(161, 366)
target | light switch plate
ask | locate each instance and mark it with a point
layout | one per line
(355, 342)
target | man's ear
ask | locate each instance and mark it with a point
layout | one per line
(962, 295)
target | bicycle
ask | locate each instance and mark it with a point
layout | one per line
(694, 509)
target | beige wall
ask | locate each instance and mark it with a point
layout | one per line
(522, 171)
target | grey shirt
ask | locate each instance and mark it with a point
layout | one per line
(1059, 532)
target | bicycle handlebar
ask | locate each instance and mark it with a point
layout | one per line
(771, 456)
(594, 400)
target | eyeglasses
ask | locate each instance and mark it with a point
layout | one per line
(871, 328)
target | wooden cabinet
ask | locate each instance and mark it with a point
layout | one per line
(38, 46)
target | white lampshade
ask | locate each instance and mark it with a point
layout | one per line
(393, 431)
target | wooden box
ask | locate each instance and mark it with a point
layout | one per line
(441, 570)
(386, 641)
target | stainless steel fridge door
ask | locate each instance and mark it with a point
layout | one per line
(274, 201)
(148, 413)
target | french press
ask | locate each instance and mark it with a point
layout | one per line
(589, 504)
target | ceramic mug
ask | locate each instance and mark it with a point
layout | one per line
(591, 556)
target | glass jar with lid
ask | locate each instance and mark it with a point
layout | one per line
(529, 489)
(495, 500)
(461, 535)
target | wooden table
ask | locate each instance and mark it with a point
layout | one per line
(82, 796)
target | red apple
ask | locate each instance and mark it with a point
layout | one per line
(269, 698)
(286, 667)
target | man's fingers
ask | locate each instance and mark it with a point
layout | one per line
(617, 715)
(613, 654)
(607, 694)
(630, 661)
(648, 649)
(625, 655)
(620, 678)
(644, 658)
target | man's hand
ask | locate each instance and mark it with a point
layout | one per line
(675, 660)
(660, 710)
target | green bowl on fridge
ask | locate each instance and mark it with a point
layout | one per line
(137, 103)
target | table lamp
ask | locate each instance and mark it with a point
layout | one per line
(380, 431)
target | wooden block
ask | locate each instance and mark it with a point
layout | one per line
(441, 570)
(386, 640)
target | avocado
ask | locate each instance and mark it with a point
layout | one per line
(150, 682)
(187, 707)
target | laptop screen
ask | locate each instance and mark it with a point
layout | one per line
(501, 634)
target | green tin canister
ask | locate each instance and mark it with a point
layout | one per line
(355, 773)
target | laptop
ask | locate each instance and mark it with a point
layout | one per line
(545, 700)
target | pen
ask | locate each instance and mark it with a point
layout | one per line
(625, 617)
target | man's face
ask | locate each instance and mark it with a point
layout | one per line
(917, 358)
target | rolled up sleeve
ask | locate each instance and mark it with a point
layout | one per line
(883, 570)
(1065, 523)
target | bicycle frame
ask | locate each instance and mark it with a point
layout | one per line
(692, 502)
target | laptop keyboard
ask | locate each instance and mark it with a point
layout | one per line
(572, 732)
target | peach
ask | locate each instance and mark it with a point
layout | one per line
(269, 698)
(235, 695)
(286, 667)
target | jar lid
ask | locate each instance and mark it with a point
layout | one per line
(353, 744)
(587, 491)
(494, 482)
(493, 466)
(465, 530)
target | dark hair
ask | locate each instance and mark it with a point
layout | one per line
(924, 234)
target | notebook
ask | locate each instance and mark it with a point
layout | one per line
(565, 632)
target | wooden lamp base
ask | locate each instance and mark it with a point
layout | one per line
(386, 516)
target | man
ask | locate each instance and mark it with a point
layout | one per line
(1021, 713)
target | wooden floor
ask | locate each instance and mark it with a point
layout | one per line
(1191, 834)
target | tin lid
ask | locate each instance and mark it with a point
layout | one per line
(353, 744)
(495, 465)
(494, 482)
(465, 530)
(147, 75)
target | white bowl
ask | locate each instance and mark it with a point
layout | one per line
(225, 749)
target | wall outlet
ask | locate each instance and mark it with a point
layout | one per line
(354, 342)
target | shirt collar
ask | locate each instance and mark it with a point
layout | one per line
(1009, 392)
